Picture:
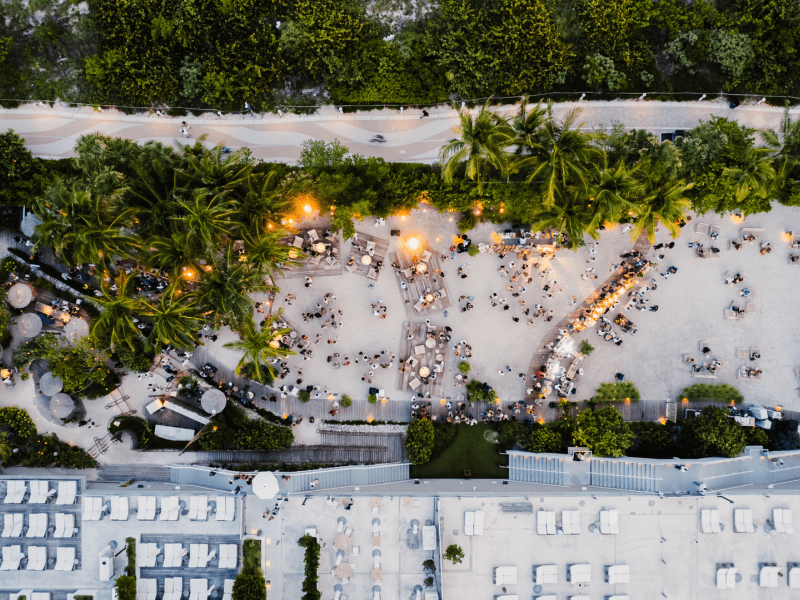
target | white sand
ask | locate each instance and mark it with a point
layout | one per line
(690, 304)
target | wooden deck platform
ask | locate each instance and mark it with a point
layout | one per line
(303, 240)
(414, 337)
(377, 258)
(420, 284)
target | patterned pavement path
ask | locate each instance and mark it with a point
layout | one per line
(52, 132)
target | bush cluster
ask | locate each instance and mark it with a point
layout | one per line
(310, 589)
(720, 392)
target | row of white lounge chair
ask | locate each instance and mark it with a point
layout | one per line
(40, 492)
(571, 522)
(199, 555)
(743, 520)
(578, 573)
(37, 558)
(37, 525)
(94, 507)
(147, 589)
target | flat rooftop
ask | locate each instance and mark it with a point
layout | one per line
(660, 540)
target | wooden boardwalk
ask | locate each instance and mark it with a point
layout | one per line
(541, 407)
(420, 285)
(377, 258)
(414, 337)
(312, 267)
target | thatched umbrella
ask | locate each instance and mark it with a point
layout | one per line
(61, 405)
(213, 401)
(19, 296)
(50, 385)
(30, 325)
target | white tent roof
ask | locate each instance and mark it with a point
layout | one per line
(265, 486)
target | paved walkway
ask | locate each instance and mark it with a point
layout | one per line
(52, 132)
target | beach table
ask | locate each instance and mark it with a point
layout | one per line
(414, 383)
(419, 349)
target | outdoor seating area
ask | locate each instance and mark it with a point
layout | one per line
(423, 359)
(420, 277)
(367, 256)
(318, 251)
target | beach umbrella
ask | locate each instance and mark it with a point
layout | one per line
(265, 486)
(61, 405)
(50, 385)
(29, 223)
(76, 329)
(30, 325)
(213, 401)
(19, 296)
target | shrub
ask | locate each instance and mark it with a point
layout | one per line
(428, 581)
(720, 392)
(711, 433)
(126, 587)
(304, 395)
(542, 439)
(454, 554)
(473, 250)
(310, 590)
(249, 586)
(18, 422)
(429, 566)
(478, 391)
(372, 399)
(419, 441)
(346, 401)
(74, 457)
(130, 552)
(617, 392)
(602, 431)
(251, 556)
(586, 348)
(464, 367)
(136, 362)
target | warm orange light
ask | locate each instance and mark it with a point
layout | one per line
(685, 400)
(403, 218)
(307, 208)
(413, 243)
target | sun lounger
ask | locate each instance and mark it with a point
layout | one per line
(12, 525)
(768, 576)
(580, 573)
(722, 579)
(194, 555)
(743, 520)
(198, 589)
(193, 510)
(37, 558)
(39, 492)
(37, 525)
(619, 574)
(505, 575)
(715, 528)
(546, 574)
(541, 522)
(67, 490)
(15, 491)
(65, 559)
(479, 522)
(701, 228)
(777, 520)
(609, 524)
(228, 589)
(228, 556)
(12, 555)
(40, 596)
(794, 578)
(705, 520)
(469, 523)
(551, 522)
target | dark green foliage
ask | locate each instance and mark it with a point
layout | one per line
(543, 439)
(617, 392)
(126, 587)
(712, 433)
(310, 589)
(249, 586)
(304, 395)
(137, 361)
(18, 423)
(18, 432)
(755, 436)
(454, 554)
(345, 401)
(510, 434)
(653, 440)
(231, 429)
(783, 436)
(419, 441)
(603, 432)
(586, 348)
(476, 392)
(372, 399)
(130, 552)
(474, 449)
(719, 392)
(74, 457)
(251, 556)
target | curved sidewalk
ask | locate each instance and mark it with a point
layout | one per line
(52, 132)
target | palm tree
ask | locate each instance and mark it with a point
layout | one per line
(569, 214)
(175, 320)
(786, 153)
(115, 327)
(527, 127)
(174, 255)
(483, 144)
(223, 293)
(259, 347)
(207, 218)
(756, 177)
(213, 169)
(560, 157)
(257, 205)
(664, 203)
(611, 191)
(98, 242)
(265, 253)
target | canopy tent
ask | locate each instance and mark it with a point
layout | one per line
(19, 296)
(265, 486)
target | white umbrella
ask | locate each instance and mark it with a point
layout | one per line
(50, 385)
(213, 401)
(30, 325)
(61, 405)
(76, 329)
(19, 296)
(265, 486)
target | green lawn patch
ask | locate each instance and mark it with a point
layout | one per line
(474, 449)
(251, 557)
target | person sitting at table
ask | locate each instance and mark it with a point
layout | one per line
(793, 257)
(745, 293)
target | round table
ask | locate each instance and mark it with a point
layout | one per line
(439, 357)
(365, 260)
(429, 297)
(342, 542)
(293, 334)
(343, 571)
(293, 253)
(320, 247)
(421, 267)
(430, 343)
(424, 372)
